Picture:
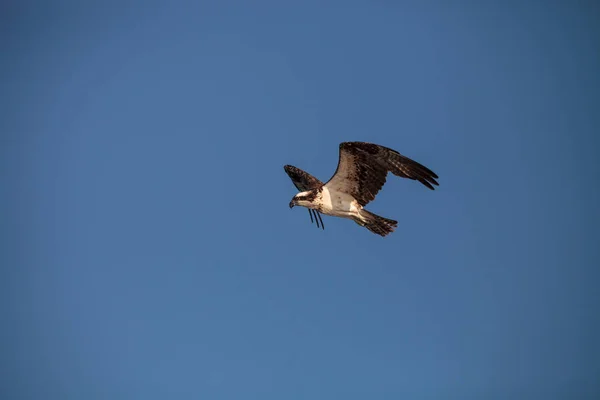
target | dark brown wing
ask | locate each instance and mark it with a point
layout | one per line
(302, 179)
(362, 170)
(303, 182)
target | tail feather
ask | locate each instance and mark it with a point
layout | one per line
(376, 224)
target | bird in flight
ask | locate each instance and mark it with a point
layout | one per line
(361, 172)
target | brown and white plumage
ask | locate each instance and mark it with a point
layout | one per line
(303, 182)
(361, 173)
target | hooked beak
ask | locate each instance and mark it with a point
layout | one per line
(292, 204)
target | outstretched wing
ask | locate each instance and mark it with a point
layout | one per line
(303, 182)
(302, 179)
(362, 170)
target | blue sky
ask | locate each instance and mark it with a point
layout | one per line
(148, 250)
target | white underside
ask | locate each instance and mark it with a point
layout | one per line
(337, 204)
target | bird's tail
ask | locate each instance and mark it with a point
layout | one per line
(376, 224)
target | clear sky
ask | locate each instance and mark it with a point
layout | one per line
(148, 251)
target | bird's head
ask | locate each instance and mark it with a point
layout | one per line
(303, 199)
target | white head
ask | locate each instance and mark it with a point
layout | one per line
(303, 199)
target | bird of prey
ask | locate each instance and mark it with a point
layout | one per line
(361, 172)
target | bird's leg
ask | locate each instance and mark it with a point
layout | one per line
(316, 220)
(319, 215)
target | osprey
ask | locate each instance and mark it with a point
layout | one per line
(361, 172)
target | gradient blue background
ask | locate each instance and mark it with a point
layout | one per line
(148, 251)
